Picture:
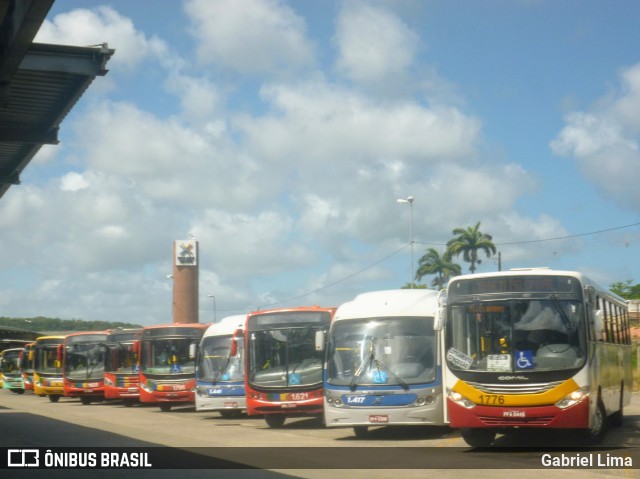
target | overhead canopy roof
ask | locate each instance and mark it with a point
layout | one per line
(39, 84)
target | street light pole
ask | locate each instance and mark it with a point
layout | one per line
(409, 201)
(214, 306)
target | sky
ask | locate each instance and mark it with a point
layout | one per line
(280, 134)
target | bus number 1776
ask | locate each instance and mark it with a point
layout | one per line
(492, 399)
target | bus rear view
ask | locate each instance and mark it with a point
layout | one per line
(284, 363)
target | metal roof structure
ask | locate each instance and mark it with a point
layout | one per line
(39, 84)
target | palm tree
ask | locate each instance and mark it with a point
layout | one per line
(468, 242)
(432, 263)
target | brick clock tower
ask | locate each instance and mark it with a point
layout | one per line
(185, 281)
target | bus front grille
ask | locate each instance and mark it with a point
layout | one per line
(530, 388)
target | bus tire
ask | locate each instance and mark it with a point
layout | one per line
(165, 407)
(86, 400)
(275, 420)
(129, 402)
(361, 432)
(54, 397)
(595, 434)
(478, 437)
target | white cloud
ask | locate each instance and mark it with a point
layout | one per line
(605, 141)
(73, 181)
(84, 27)
(374, 46)
(250, 36)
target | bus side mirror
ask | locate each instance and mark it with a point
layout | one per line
(192, 350)
(320, 340)
(59, 352)
(20, 359)
(238, 334)
(136, 347)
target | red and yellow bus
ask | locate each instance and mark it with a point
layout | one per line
(284, 362)
(167, 363)
(121, 370)
(47, 368)
(82, 355)
(535, 348)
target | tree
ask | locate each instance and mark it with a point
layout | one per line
(432, 263)
(469, 242)
(626, 290)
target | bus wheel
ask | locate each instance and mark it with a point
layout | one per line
(478, 437)
(54, 398)
(86, 400)
(274, 420)
(165, 407)
(361, 431)
(595, 434)
(17, 391)
(129, 402)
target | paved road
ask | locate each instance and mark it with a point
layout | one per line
(29, 421)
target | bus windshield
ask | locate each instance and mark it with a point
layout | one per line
(121, 358)
(168, 356)
(84, 360)
(285, 356)
(46, 359)
(382, 351)
(516, 335)
(215, 362)
(10, 361)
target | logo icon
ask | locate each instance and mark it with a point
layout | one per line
(23, 458)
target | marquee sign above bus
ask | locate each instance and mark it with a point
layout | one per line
(186, 252)
(515, 284)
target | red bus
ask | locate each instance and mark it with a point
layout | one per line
(167, 363)
(121, 370)
(82, 356)
(284, 362)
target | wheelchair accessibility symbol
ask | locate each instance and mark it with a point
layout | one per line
(524, 360)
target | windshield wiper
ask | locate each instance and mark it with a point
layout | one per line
(563, 315)
(371, 359)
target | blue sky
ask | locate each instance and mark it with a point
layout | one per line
(280, 134)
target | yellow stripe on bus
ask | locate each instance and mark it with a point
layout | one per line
(538, 399)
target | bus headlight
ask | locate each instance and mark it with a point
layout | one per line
(108, 382)
(573, 398)
(146, 388)
(461, 400)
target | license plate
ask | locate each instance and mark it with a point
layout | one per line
(287, 405)
(230, 404)
(379, 418)
(93, 385)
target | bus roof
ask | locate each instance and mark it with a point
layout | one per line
(314, 307)
(178, 325)
(226, 326)
(540, 271)
(393, 302)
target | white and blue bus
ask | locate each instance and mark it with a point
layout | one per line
(383, 364)
(535, 348)
(219, 373)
